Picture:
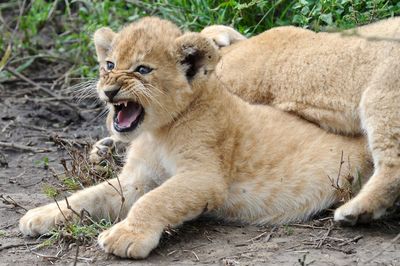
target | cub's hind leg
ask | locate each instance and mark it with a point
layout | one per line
(380, 115)
(101, 201)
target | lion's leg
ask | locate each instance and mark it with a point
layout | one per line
(380, 114)
(101, 201)
(180, 198)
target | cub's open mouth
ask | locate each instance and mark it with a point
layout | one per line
(128, 115)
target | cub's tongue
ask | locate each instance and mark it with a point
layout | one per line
(127, 115)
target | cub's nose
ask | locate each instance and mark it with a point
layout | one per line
(110, 93)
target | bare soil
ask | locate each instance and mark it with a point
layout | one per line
(30, 117)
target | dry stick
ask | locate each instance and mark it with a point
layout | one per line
(354, 239)
(11, 201)
(62, 213)
(120, 192)
(23, 147)
(264, 233)
(122, 201)
(340, 169)
(321, 242)
(308, 226)
(76, 253)
(49, 92)
(194, 253)
(49, 257)
(18, 245)
(33, 127)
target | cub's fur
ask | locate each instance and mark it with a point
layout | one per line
(345, 82)
(196, 148)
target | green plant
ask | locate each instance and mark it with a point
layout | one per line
(288, 230)
(82, 232)
(50, 191)
(44, 162)
(60, 32)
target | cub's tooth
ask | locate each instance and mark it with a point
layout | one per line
(126, 104)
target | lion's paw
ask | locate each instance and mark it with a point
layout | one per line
(129, 241)
(359, 210)
(102, 150)
(41, 220)
(222, 35)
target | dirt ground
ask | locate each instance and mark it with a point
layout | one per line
(31, 118)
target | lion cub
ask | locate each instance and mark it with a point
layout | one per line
(345, 82)
(196, 148)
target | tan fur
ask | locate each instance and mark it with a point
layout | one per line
(201, 149)
(345, 82)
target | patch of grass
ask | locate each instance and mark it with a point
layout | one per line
(44, 162)
(78, 173)
(55, 32)
(71, 183)
(3, 233)
(50, 191)
(83, 232)
(288, 230)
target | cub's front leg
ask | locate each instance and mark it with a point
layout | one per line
(181, 198)
(101, 201)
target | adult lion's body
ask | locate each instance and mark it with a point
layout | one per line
(197, 148)
(346, 82)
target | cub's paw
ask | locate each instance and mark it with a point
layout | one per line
(359, 210)
(102, 150)
(129, 241)
(222, 35)
(41, 220)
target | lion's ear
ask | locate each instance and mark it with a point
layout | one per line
(102, 40)
(197, 54)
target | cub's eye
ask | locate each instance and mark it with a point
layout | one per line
(110, 65)
(143, 70)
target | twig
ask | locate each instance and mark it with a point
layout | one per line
(33, 127)
(321, 242)
(49, 257)
(14, 72)
(194, 253)
(122, 201)
(76, 253)
(354, 239)
(7, 225)
(308, 226)
(11, 201)
(18, 245)
(59, 208)
(70, 208)
(262, 234)
(24, 147)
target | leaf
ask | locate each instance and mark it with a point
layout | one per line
(327, 18)
(305, 10)
(5, 57)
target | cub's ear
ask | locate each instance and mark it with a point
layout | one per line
(197, 54)
(102, 40)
